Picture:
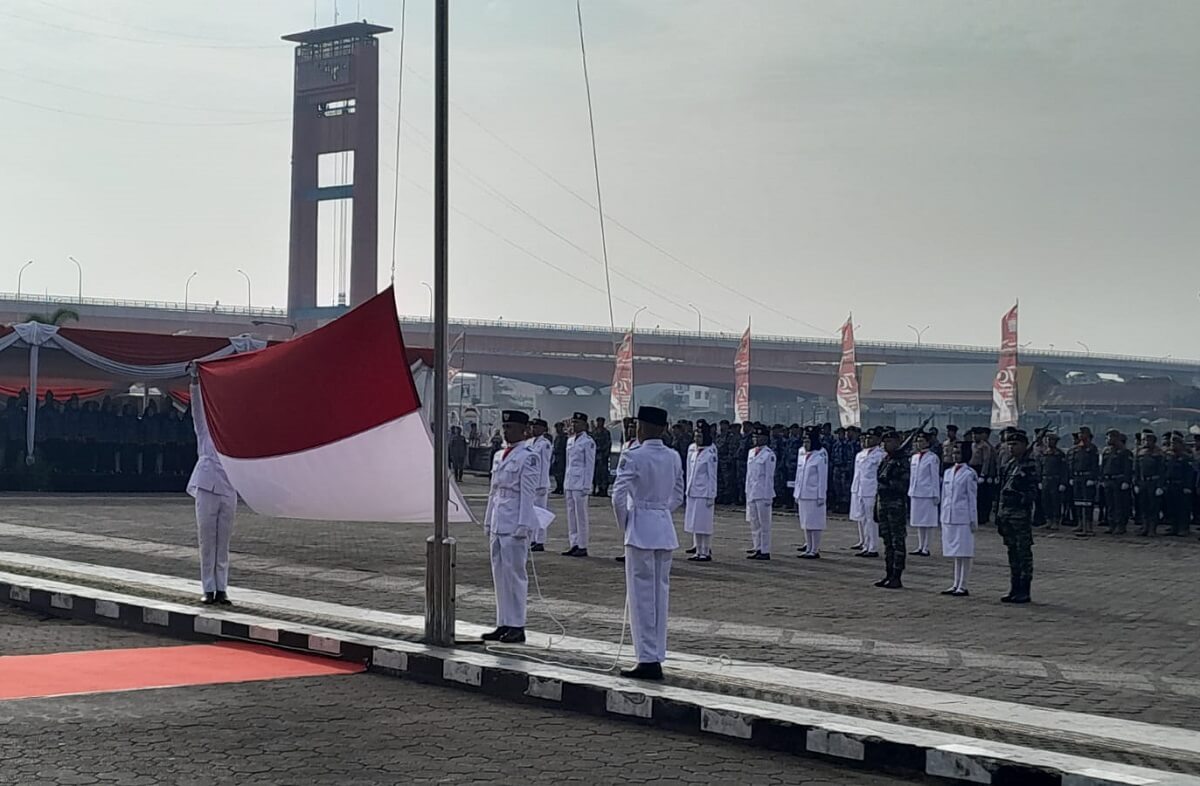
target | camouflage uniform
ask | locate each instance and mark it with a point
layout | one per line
(1151, 466)
(601, 475)
(1052, 475)
(1116, 477)
(891, 510)
(1014, 521)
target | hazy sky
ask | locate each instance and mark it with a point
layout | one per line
(922, 162)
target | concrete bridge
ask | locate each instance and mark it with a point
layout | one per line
(571, 355)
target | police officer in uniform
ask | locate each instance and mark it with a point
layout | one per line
(1052, 480)
(216, 506)
(510, 522)
(648, 489)
(1116, 479)
(1014, 521)
(1178, 485)
(1151, 466)
(891, 508)
(1084, 461)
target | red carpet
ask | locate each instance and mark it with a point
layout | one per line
(103, 671)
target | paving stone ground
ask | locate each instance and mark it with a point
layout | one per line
(360, 729)
(1114, 629)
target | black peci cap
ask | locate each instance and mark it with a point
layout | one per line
(652, 415)
(514, 416)
(580, 416)
(538, 422)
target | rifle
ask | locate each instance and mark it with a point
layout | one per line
(913, 434)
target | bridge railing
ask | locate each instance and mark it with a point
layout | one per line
(65, 301)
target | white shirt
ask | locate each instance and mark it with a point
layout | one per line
(649, 487)
(925, 475)
(960, 486)
(760, 474)
(208, 474)
(514, 489)
(545, 450)
(866, 472)
(812, 475)
(702, 472)
(581, 463)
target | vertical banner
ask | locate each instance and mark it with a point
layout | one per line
(621, 398)
(741, 379)
(1004, 387)
(849, 411)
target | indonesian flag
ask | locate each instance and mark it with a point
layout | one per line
(741, 379)
(620, 404)
(327, 426)
(1004, 388)
(849, 411)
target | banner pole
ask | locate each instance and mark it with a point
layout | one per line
(440, 547)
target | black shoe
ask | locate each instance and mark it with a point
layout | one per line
(692, 550)
(883, 581)
(644, 671)
(856, 547)
(759, 556)
(578, 553)
(705, 558)
(916, 552)
(513, 636)
(894, 583)
(222, 599)
(495, 635)
(751, 551)
(538, 547)
(619, 559)
(571, 551)
(1012, 592)
(950, 591)
(808, 555)
(208, 598)
(962, 593)
(868, 554)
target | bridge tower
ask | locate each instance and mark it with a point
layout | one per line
(335, 110)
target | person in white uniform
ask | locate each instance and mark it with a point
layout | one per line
(544, 447)
(628, 443)
(648, 489)
(701, 494)
(960, 519)
(862, 492)
(760, 493)
(924, 491)
(581, 468)
(510, 523)
(216, 506)
(810, 490)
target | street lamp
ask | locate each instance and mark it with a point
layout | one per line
(427, 286)
(20, 274)
(186, 287)
(699, 319)
(1086, 348)
(633, 323)
(919, 333)
(80, 269)
(246, 276)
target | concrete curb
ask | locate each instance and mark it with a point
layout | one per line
(857, 743)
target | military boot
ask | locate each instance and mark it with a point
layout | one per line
(1012, 590)
(1022, 595)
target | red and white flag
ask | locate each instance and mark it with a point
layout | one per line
(849, 411)
(327, 426)
(621, 398)
(1004, 387)
(741, 379)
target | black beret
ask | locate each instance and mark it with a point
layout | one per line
(514, 416)
(652, 415)
(579, 416)
(1018, 436)
(762, 431)
(538, 422)
(890, 433)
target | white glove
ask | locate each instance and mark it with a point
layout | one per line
(1070, 482)
(1124, 487)
(1091, 483)
(709, 502)
(982, 481)
(1062, 487)
(1137, 490)
(521, 533)
(1187, 491)
(1158, 492)
(1041, 487)
(974, 527)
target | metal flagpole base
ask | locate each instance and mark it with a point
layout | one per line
(440, 557)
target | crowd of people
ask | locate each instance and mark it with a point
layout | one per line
(100, 438)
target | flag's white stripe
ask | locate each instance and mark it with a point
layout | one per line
(383, 474)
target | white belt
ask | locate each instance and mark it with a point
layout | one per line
(651, 506)
(506, 493)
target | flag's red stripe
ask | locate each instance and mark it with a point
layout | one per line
(340, 380)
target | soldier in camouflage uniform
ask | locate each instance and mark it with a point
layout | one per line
(891, 508)
(1151, 466)
(791, 457)
(1014, 520)
(1084, 462)
(1116, 479)
(724, 483)
(1052, 479)
(1179, 484)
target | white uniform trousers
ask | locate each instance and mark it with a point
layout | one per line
(541, 499)
(214, 527)
(509, 554)
(865, 508)
(758, 513)
(648, 583)
(577, 518)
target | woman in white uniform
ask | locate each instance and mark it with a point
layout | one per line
(924, 491)
(960, 519)
(812, 482)
(701, 494)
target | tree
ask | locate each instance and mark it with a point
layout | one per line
(59, 317)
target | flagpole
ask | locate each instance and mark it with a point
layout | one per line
(440, 547)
